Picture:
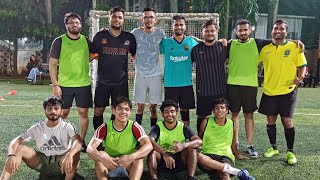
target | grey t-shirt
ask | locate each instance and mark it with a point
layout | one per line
(147, 57)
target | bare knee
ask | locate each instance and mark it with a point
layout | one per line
(98, 111)
(153, 108)
(140, 108)
(65, 113)
(83, 113)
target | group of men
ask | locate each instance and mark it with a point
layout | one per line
(171, 145)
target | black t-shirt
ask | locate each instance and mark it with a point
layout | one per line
(155, 132)
(113, 56)
(210, 69)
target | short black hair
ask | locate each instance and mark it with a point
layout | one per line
(148, 9)
(168, 103)
(71, 15)
(121, 99)
(116, 9)
(281, 21)
(210, 22)
(178, 17)
(220, 101)
(243, 22)
(52, 101)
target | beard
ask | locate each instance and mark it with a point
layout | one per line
(115, 27)
(74, 32)
(179, 33)
(243, 38)
(52, 117)
(209, 40)
(148, 27)
(278, 37)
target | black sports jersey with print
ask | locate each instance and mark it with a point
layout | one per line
(113, 56)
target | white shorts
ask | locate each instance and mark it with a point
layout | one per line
(147, 89)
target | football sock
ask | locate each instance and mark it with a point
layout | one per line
(230, 170)
(272, 132)
(97, 121)
(290, 134)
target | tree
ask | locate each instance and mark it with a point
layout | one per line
(230, 11)
(28, 18)
(272, 15)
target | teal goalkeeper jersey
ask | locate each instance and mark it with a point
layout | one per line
(177, 61)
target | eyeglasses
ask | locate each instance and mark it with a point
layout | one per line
(148, 17)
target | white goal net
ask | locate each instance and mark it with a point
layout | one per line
(99, 20)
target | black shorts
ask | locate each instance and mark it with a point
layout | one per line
(281, 104)
(103, 93)
(184, 96)
(204, 104)
(83, 96)
(178, 162)
(242, 96)
(213, 174)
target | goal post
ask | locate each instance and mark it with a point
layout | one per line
(99, 20)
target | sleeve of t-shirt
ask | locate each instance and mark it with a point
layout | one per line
(162, 33)
(194, 43)
(29, 134)
(262, 42)
(228, 48)
(262, 55)
(155, 132)
(88, 42)
(101, 132)
(192, 55)
(138, 131)
(301, 59)
(133, 46)
(56, 48)
(95, 44)
(187, 132)
(162, 46)
(71, 130)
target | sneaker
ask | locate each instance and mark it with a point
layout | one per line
(243, 174)
(252, 152)
(271, 152)
(291, 158)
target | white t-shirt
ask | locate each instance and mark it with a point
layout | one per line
(51, 140)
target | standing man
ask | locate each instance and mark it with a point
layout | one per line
(126, 144)
(148, 72)
(210, 57)
(55, 153)
(284, 68)
(243, 79)
(174, 144)
(72, 80)
(178, 67)
(113, 46)
(219, 146)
